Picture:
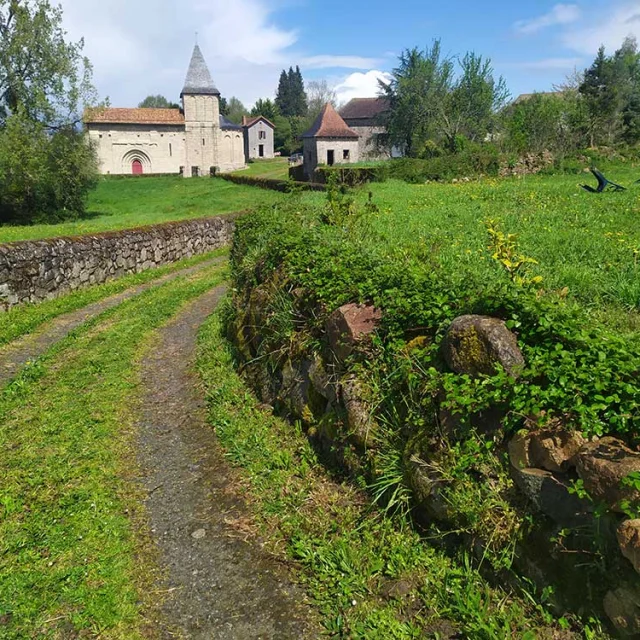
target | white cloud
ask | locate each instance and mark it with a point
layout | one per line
(561, 14)
(609, 29)
(342, 62)
(547, 64)
(360, 85)
(143, 47)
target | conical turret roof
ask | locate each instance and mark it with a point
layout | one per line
(329, 124)
(199, 81)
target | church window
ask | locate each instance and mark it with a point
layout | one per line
(203, 142)
(195, 172)
(170, 151)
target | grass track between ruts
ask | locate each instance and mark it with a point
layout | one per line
(25, 318)
(73, 558)
(350, 556)
(126, 203)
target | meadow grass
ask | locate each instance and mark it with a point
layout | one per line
(124, 203)
(75, 560)
(587, 246)
(274, 168)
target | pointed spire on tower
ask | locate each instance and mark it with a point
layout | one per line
(199, 81)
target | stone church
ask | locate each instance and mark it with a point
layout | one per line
(194, 141)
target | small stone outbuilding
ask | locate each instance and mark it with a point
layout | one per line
(258, 137)
(329, 142)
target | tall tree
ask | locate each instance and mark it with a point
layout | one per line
(319, 92)
(266, 108)
(236, 110)
(283, 95)
(417, 92)
(603, 96)
(224, 106)
(40, 72)
(471, 106)
(157, 102)
(291, 98)
(46, 166)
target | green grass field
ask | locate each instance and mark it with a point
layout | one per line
(276, 169)
(122, 203)
(587, 246)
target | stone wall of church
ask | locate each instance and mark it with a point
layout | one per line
(230, 150)
(160, 148)
(33, 271)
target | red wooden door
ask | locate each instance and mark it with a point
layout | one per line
(136, 168)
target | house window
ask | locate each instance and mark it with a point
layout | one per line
(346, 154)
(331, 157)
(262, 135)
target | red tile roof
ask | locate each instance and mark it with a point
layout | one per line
(329, 125)
(364, 108)
(249, 122)
(134, 116)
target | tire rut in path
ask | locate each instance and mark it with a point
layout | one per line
(220, 587)
(16, 354)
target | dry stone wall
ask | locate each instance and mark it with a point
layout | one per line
(33, 271)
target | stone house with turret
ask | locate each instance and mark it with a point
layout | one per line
(194, 141)
(329, 141)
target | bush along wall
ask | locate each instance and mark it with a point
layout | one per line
(497, 417)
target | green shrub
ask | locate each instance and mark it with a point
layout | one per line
(43, 177)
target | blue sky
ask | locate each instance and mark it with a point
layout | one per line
(143, 46)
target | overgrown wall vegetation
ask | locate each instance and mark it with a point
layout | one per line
(501, 416)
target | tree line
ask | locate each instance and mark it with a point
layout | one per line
(440, 104)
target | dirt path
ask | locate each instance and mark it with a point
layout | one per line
(16, 354)
(220, 587)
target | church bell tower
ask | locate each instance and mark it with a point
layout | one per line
(201, 105)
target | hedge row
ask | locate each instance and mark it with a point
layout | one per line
(283, 186)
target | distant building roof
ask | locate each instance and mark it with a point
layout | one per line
(134, 116)
(227, 125)
(249, 122)
(329, 125)
(364, 108)
(199, 81)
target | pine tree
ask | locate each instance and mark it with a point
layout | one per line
(283, 96)
(603, 96)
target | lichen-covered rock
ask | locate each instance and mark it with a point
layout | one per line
(623, 608)
(629, 540)
(550, 494)
(360, 421)
(427, 484)
(475, 345)
(350, 324)
(603, 466)
(321, 381)
(295, 389)
(549, 449)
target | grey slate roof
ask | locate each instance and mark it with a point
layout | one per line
(227, 125)
(199, 81)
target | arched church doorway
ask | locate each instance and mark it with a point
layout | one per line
(136, 167)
